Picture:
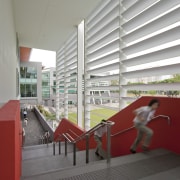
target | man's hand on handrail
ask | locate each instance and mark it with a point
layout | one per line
(163, 116)
(108, 123)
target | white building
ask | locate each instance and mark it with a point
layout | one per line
(49, 86)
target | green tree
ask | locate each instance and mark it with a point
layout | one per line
(114, 82)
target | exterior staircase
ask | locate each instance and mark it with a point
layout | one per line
(38, 163)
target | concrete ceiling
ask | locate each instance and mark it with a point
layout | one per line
(46, 24)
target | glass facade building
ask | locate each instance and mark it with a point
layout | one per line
(49, 86)
(46, 84)
(28, 81)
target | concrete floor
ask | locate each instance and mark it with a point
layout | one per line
(154, 165)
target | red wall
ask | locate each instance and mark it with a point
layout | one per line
(10, 138)
(165, 136)
(64, 127)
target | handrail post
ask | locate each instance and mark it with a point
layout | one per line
(74, 154)
(59, 147)
(65, 147)
(87, 148)
(108, 143)
(54, 148)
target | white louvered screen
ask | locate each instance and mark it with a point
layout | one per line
(152, 41)
(102, 45)
(129, 45)
(67, 73)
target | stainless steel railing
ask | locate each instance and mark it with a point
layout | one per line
(128, 129)
(69, 139)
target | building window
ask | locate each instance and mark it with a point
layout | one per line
(28, 81)
(46, 85)
(54, 74)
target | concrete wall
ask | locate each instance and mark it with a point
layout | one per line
(44, 123)
(8, 53)
(11, 141)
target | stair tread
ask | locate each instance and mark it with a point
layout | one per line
(42, 165)
(43, 151)
(60, 171)
(174, 174)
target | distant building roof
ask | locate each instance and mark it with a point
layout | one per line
(25, 54)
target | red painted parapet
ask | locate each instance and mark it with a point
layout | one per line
(165, 135)
(10, 139)
(67, 126)
(64, 126)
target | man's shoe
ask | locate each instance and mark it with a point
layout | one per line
(132, 151)
(97, 154)
(145, 148)
(101, 158)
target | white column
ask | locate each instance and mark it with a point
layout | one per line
(93, 100)
(57, 93)
(86, 90)
(80, 64)
(65, 88)
(86, 102)
(100, 96)
(122, 68)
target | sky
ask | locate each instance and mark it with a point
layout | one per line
(48, 58)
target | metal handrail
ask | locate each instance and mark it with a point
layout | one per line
(70, 139)
(73, 132)
(85, 133)
(125, 130)
(163, 116)
(92, 130)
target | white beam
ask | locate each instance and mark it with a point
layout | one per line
(154, 26)
(156, 71)
(160, 39)
(167, 53)
(157, 87)
(149, 14)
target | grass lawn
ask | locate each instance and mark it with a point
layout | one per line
(96, 115)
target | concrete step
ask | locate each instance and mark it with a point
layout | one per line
(40, 146)
(128, 167)
(39, 151)
(173, 174)
(42, 165)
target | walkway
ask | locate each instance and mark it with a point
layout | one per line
(33, 130)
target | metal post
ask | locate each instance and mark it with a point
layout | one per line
(65, 147)
(108, 143)
(59, 147)
(54, 148)
(87, 148)
(74, 154)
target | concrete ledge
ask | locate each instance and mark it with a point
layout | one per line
(43, 122)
